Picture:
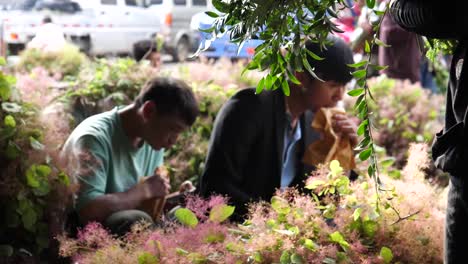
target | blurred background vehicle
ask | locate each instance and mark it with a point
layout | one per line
(97, 27)
(179, 40)
(220, 47)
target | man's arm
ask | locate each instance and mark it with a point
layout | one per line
(102, 206)
(232, 137)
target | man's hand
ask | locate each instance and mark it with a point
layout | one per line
(155, 186)
(345, 127)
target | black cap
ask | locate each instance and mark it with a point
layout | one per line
(336, 55)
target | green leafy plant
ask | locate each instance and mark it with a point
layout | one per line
(65, 62)
(28, 175)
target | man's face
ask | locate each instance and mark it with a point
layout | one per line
(316, 94)
(162, 130)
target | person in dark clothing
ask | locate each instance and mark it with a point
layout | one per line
(436, 19)
(403, 57)
(258, 140)
(147, 49)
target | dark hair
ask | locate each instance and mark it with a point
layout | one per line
(47, 19)
(336, 55)
(171, 96)
(142, 47)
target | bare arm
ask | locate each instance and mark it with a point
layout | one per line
(103, 206)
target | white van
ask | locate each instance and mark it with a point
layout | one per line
(179, 40)
(98, 26)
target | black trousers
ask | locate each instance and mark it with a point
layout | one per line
(456, 224)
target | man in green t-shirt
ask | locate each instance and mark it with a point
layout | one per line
(109, 153)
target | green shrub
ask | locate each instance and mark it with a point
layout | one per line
(66, 62)
(29, 178)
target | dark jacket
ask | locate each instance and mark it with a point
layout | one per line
(429, 18)
(245, 154)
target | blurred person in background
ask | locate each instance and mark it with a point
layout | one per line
(49, 37)
(148, 50)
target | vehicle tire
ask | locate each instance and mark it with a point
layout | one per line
(182, 50)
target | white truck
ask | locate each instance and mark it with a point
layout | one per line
(98, 27)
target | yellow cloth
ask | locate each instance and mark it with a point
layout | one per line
(330, 146)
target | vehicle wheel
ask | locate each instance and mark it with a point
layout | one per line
(182, 50)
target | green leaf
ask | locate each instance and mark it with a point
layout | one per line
(370, 228)
(362, 127)
(257, 257)
(356, 92)
(328, 260)
(314, 184)
(370, 3)
(386, 254)
(12, 150)
(365, 154)
(221, 212)
(329, 211)
(285, 87)
(64, 179)
(367, 47)
(280, 205)
(284, 232)
(6, 250)
(381, 43)
(147, 258)
(215, 238)
(260, 86)
(387, 162)
(220, 6)
(296, 259)
(336, 237)
(285, 257)
(5, 90)
(35, 144)
(359, 74)
(2, 61)
(313, 55)
(310, 245)
(9, 121)
(335, 168)
(379, 67)
(29, 219)
(181, 252)
(306, 64)
(186, 217)
(212, 14)
(358, 64)
(357, 213)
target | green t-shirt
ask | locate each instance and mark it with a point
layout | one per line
(101, 159)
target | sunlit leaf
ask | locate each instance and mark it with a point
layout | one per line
(186, 217)
(221, 212)
(356, 92)
(367, 47)
(280, 205)
(357, 213)
(386, 254)
(9, 121)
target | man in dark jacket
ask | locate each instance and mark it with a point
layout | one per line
(442, 20)
(258, 140)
